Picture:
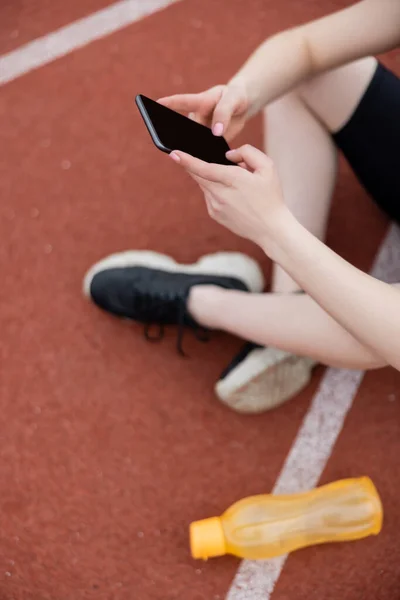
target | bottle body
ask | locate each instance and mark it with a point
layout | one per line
(261, 527)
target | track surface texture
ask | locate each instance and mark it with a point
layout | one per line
(111, 446)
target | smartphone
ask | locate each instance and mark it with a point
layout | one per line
(173, 131)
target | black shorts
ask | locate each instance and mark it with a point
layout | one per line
(370, 141)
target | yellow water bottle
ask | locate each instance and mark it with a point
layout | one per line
(265, 526)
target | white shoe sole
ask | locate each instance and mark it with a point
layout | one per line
(229, 264)
(264, 380)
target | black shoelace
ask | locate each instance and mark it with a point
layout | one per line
(159, 310)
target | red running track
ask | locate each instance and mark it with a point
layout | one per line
(110, 445)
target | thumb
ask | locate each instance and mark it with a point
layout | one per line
(252, 157)
(227, 106)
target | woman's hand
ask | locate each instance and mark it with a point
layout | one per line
(247, 199)
(224, 108)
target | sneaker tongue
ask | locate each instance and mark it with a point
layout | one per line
(240, 357)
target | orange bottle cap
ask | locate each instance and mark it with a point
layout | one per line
(207, 538)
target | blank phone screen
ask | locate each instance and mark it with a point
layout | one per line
(177, 132)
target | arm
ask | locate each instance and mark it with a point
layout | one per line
(250, 203)
(288, 58)
(366, 307)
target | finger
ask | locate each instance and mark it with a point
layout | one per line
(182, 102)
(208, 171)
(206, 194)
(204, 184)
(209, 206)
(198, 118)
(228, 105)
(196, 103)
(254, 158)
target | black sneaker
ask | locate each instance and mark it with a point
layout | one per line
(153, 288)
(259, 379)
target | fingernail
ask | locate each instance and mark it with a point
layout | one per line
(229, 152)
(218, 129)
(191, 116)
(175, 157)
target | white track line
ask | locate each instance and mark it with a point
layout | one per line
(255, 580)
(80, 33)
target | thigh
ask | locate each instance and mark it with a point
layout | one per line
(360, 105)
(334, 96)
(370, 141)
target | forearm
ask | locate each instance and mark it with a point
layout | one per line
(277, 66)
(367, 308)
(285, 60)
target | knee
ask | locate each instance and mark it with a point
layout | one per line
(284, 107)
(334, 95)
(357, 72)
